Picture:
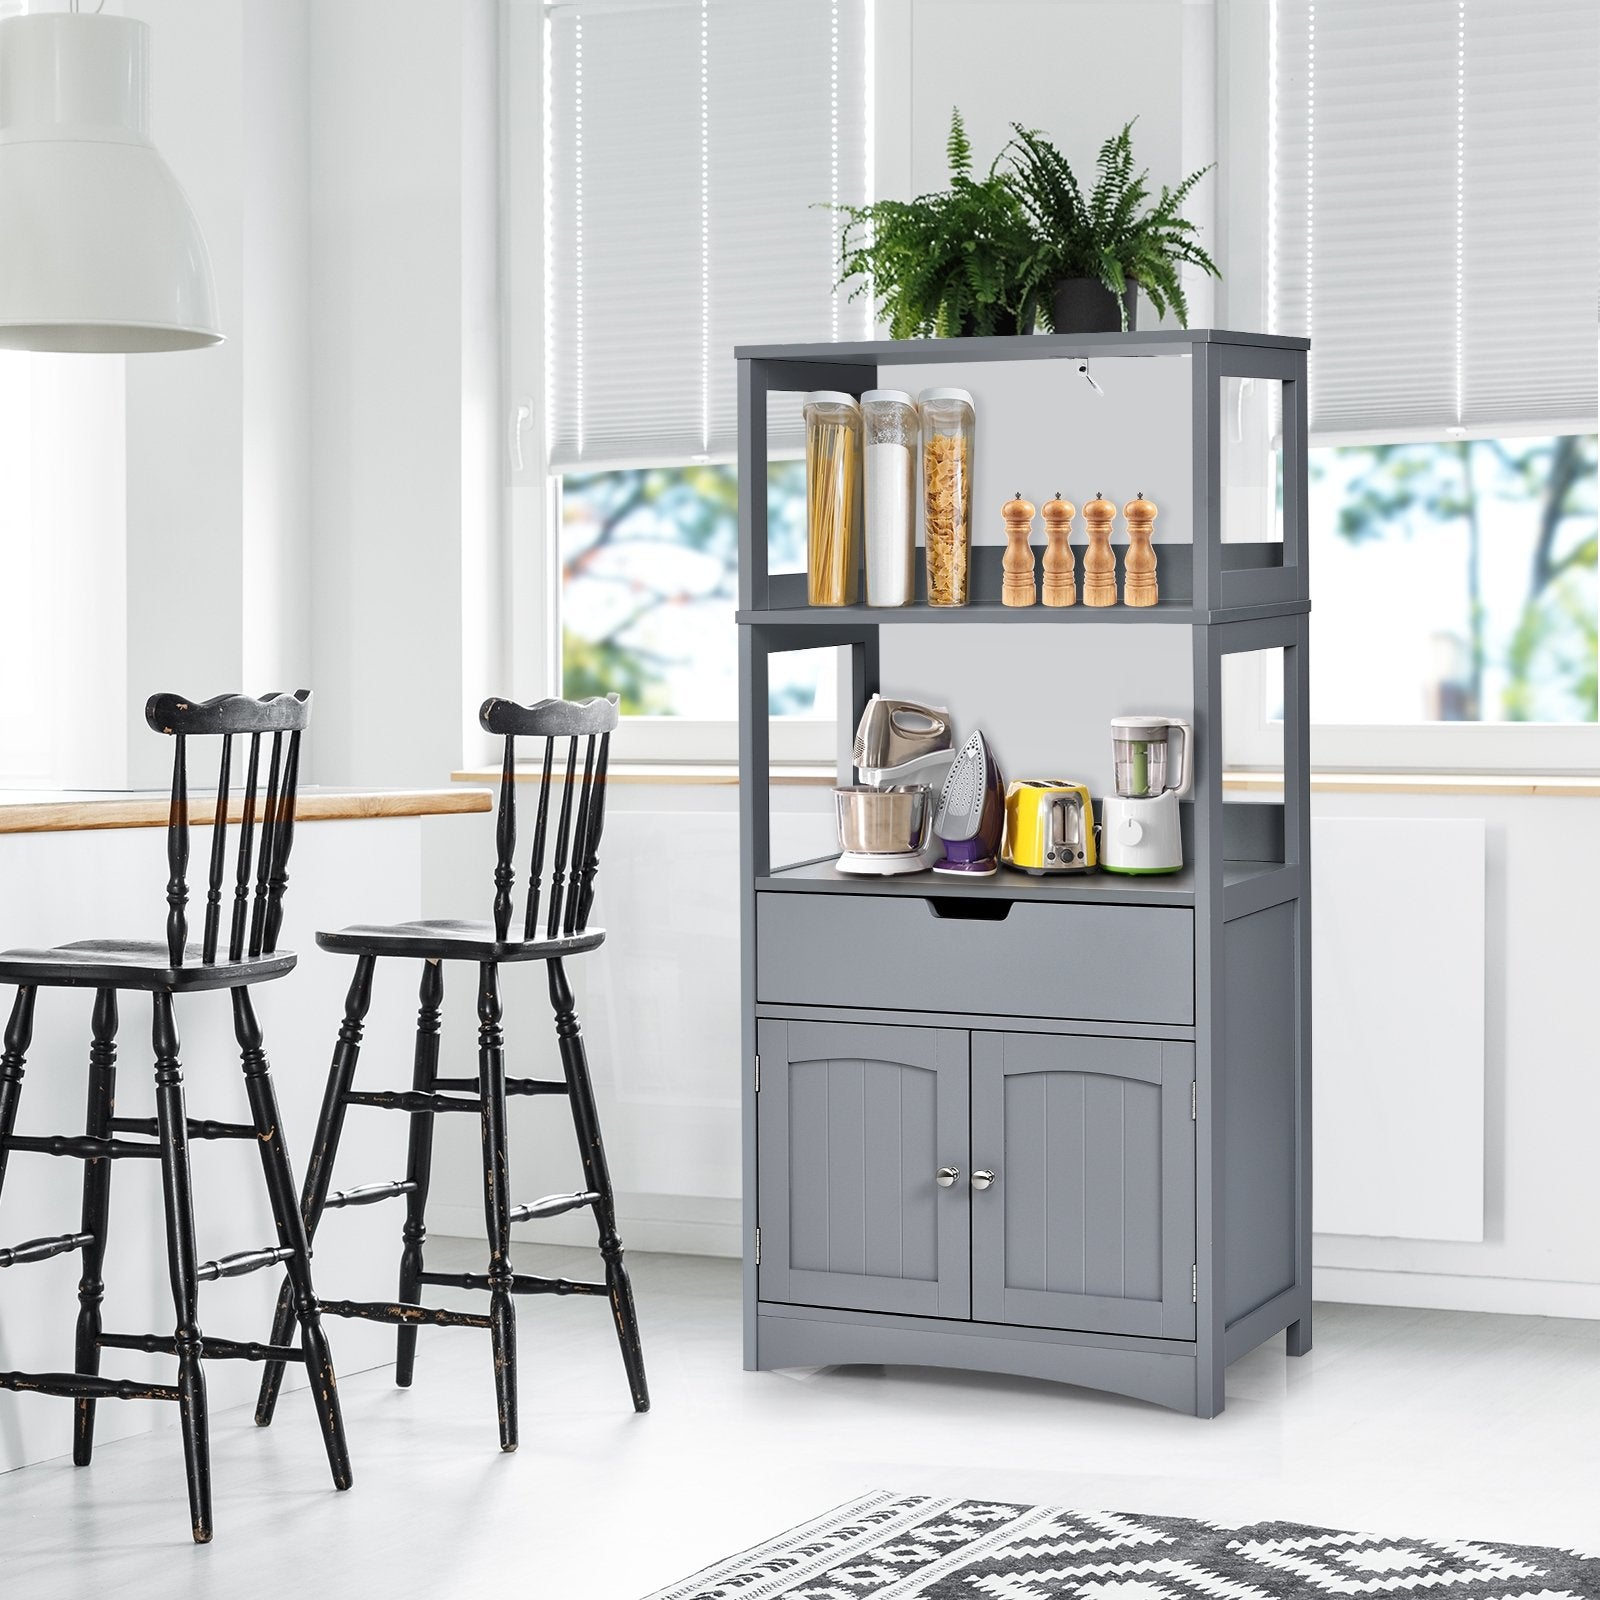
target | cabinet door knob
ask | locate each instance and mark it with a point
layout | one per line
(946, 1176)
(981, 1179)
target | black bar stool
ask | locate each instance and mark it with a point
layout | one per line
(488, 944)
(163, 970)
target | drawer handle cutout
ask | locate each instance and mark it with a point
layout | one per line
(969, 908)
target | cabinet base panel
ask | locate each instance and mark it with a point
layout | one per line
(1165, 1377)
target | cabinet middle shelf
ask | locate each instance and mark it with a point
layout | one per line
(1245, 883)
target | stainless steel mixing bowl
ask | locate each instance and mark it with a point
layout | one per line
(883, 821)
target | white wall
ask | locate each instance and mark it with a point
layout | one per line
(1075, 69)
(1540, 1250)
(317, 499)
(660, 1000)
(659, 1005)
(344, 452)
(405, 391)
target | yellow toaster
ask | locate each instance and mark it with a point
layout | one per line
(1049, 826)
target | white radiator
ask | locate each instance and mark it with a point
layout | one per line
(1398, 1027)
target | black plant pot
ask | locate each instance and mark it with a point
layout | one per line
(1005, 325)
(1085, 305)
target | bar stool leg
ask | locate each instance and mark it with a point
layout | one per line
(19, 1035)
(319, 1171)
(597, 1176)
(173, 1131)
(96, 1211)
(291, 1232)
(419, 1163)
(497, 1201)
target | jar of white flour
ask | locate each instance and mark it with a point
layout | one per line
(890, 428)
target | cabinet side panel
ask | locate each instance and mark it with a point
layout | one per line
(1258, 1066)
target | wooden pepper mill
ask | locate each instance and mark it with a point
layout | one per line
(1139, 565)
(1060, 565)
(1099, 560)
(1017, 586)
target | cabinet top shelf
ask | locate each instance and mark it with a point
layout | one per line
(1029, 347)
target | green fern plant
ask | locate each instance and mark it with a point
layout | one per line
(960, 261)
(1112, 235)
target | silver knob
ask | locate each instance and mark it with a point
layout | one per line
(981, 1179)
(946, 1176)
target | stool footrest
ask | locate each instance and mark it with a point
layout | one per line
(368, 1194)
(513, 1085)
(163, 1344)
(405, 1316)
(409, 1100)
(198, 1128)
(521, 1283)
(43, 1249)
(552, 1205)
(83, 1386)
(242, 1262)
(79, 1147)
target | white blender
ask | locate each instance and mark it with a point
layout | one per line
(1139, 825)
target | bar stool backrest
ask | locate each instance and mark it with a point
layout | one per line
(592, 721)
(262, 865)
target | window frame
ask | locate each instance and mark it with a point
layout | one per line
(793, 740)
(1246, 164)
(532, 518)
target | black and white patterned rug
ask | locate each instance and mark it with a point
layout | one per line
(918, 1547)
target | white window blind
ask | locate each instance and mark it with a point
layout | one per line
(695, 146)
(1433, 225)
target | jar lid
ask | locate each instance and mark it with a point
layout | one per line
(831, 397)
(897, 396)
(933, 396)
(1140, 724)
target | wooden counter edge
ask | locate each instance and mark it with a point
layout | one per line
(150, 811)
(713, 774)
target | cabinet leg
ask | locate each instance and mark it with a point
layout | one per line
(1297, 1337)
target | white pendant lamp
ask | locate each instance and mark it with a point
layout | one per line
(99, 247)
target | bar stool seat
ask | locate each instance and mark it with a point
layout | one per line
(445, 939)
(142, 964)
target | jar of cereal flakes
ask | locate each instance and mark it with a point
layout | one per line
(947, 426)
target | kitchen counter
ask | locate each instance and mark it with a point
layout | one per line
(71, 810)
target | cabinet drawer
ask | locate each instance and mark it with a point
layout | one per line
(1091, 962)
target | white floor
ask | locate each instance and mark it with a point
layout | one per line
(1420, 1422)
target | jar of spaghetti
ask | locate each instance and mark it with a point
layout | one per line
(833, 497)
(947, 428)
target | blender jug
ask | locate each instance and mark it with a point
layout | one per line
(1142, 754)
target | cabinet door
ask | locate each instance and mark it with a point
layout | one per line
(1089, 1222)
(855, 1122)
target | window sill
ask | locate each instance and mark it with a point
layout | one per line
(1514, 784)
(709, 773)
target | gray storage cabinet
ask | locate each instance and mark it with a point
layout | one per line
(1055, 1127)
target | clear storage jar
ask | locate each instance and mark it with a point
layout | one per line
(833, 497)
(889, 423)
(947, 430)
